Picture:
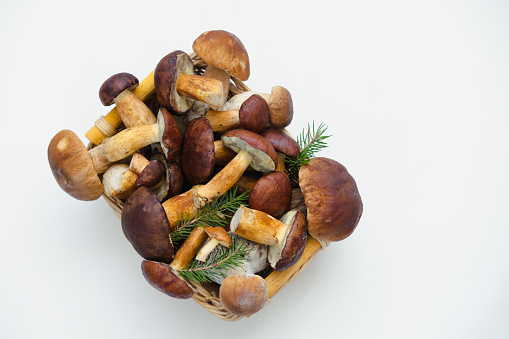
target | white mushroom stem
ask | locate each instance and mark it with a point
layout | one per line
(119, 181)
(258, 226)
(204, 252)
(138, 163)
(132, 110)
(222, 121)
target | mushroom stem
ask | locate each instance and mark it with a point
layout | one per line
(138, 163)
(207, 90)
(206, 249)
(132, 110)
(187, 252)
(258, 226)
(145, 89)
(222, 121)
(224, 77)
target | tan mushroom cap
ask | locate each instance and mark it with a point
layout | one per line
(281, 107)
(334, 206)
(243, 295)
(225, 51)
(72, 166)
(220, 234)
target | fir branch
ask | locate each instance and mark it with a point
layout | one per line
(210, 215)
(217, 264)
(310, 142)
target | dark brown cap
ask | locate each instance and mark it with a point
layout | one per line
(115, 85)
(146, 226)
(254, 114)
(197, 157)
(225, 51)
(152, 174)
(72, 166)
(169, 133)
(162, 278)
(165, 80)
(334, 206)
(281, 258)
(272, 194)
(282, 142)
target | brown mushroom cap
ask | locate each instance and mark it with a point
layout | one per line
(263, 153)
(282, 142)
(146, 226)
(254, 114)
(225, 51)
(334, 206)
(243, 295)
(272, 194)
(281, 107)
(115, 85)
(161, 277)
(283, 257)
(165, 80)
(72, 166)
(152, 174)
(220, 234)
(169, 133)
(197, 157)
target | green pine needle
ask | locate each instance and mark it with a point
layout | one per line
(210, 215)
(218, 263)
(310, 142)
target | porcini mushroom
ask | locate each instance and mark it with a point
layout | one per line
(217, 236)
(177, 86)
(225, 56)
(165, 278)
(279, 100)
(252, 115)
(243, 295)
(334, 206)
(197, 157)
(119, 181)
(262, 228)
(118, 89)
(272, 194)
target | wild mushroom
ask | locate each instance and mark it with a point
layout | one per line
(217, 236)
(283, 144)
(243, 295)
(334, 206)
(177, 86)
(119, 181)
(280, 105)
(225, 56)
(76, 169)
(286, 255)
(197, 157)
(252, 115)
(118, 89)
(262, 228)
(272, 194)
(165, 278)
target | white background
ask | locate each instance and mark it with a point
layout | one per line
(415, 95)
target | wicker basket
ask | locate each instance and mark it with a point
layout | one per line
(207, 295)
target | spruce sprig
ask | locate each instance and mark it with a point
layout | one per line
(217, 263)
(310, 142)
(210, 215)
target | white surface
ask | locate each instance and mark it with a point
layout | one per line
(415, 96)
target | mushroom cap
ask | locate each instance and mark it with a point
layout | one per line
(165, 80)
(284, 256)
(146, 226)
(281, 107)
(334, 206)
(243, 295)
(169, 134)
(282, 142)
(272, 194)
(162, 278)
(225, 51)
(197, 157)
(263, 153)
(115, 85)
(254, 114)
(220, 234)
(152, 174)
(72, 167)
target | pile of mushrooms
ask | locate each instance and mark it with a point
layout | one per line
(166, 152)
